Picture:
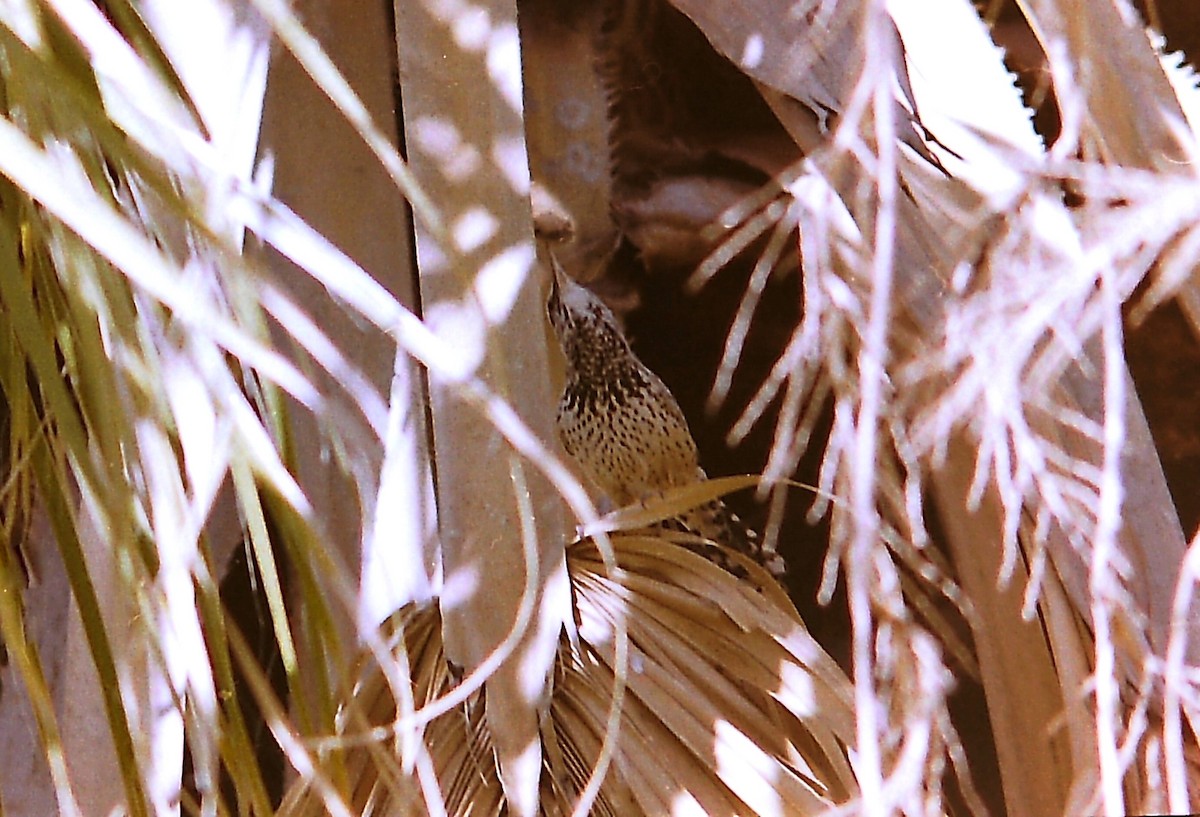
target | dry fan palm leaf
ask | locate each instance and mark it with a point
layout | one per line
(728, 705)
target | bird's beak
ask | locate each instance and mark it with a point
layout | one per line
(557, 273)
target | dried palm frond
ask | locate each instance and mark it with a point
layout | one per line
(963, 315)
(139, 377)
(728, 705)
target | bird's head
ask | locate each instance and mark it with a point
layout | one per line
(585, 327)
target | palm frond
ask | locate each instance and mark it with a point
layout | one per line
(767, 709)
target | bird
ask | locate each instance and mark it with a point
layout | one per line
(624, 429)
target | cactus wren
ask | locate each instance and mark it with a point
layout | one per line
(623, 427)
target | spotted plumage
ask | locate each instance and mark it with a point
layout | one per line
(624, 428)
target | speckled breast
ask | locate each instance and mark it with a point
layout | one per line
(631, 443)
